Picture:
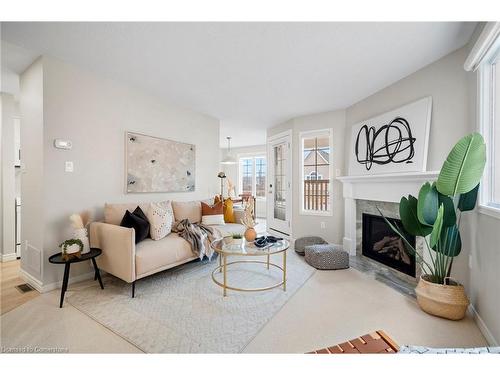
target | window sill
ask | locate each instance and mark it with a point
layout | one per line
(490, 211)
(316, 213)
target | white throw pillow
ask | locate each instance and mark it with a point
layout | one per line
(161, 218)
(212, 220)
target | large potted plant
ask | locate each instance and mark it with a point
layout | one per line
(435, 216)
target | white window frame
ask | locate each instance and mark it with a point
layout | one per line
(486, 122)
(310, 134)
(252, 156)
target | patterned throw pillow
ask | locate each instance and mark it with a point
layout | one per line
(161, 218)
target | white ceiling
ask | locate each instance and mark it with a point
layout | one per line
(249, 75)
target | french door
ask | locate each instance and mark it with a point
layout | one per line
(279, 188)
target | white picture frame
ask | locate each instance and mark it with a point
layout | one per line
(394, 142)
(158, 165)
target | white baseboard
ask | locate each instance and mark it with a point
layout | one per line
(9, 257)
(33, 281)
(483, 327)
(39, 286)
(75, 279)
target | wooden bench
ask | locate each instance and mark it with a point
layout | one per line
(377, 342)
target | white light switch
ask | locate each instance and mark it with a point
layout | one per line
(68, 166)
(63, 144)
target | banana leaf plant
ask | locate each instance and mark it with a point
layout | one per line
(435, 215)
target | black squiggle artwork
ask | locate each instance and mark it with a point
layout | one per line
(397, 147)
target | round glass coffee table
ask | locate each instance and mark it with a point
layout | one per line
(225, 248)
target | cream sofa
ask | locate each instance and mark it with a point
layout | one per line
(128, 261)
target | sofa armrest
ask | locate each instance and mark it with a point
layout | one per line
(118, 249)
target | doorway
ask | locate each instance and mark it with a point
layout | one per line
(279, 184)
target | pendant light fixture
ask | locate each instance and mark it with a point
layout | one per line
(229, 159)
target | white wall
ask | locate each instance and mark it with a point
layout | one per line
(10, 81)
(310, 225)
(453, 115)
(32, 215)
(448, 84)
(94, 114)
(9, 110)
(484, 280)
(485, 255)
(446, 81)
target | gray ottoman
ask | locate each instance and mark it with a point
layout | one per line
(302, 242)
(327, 257)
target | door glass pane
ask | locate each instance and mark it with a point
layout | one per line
(246, 166)
(279, 182)
(260, 177)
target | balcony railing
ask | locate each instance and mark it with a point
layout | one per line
(316, 194)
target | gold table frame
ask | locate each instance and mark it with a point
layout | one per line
(223, 264)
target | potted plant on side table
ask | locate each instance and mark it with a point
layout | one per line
(435, 216)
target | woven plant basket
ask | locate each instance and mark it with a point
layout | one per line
(445, 301)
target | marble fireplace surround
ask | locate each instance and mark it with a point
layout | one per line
(364, 193)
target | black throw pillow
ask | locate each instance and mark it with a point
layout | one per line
(139, 212)
(138, 221)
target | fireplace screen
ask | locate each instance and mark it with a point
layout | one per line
(382, 244)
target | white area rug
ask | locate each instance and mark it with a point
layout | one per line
(183, 311)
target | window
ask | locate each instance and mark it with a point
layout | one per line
(314, 176)
(316, 166)
(495, 137)
(489, 120)
(253, 176)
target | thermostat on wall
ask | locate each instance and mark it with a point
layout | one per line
(63, 144)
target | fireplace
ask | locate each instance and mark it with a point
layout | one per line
(381, 243)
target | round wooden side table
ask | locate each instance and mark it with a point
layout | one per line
(57, 259)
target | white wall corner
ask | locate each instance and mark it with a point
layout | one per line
(349, 246)
(31, 280)
(40, 287)
(483, 327)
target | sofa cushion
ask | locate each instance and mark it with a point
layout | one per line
(154, 255)
(113, 213)
(187, 210)
(138, 221)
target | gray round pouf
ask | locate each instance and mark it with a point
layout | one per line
(302, 242)
(327, 257)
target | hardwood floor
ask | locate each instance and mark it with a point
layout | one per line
(11, 297)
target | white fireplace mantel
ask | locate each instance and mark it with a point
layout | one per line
(383, 188)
